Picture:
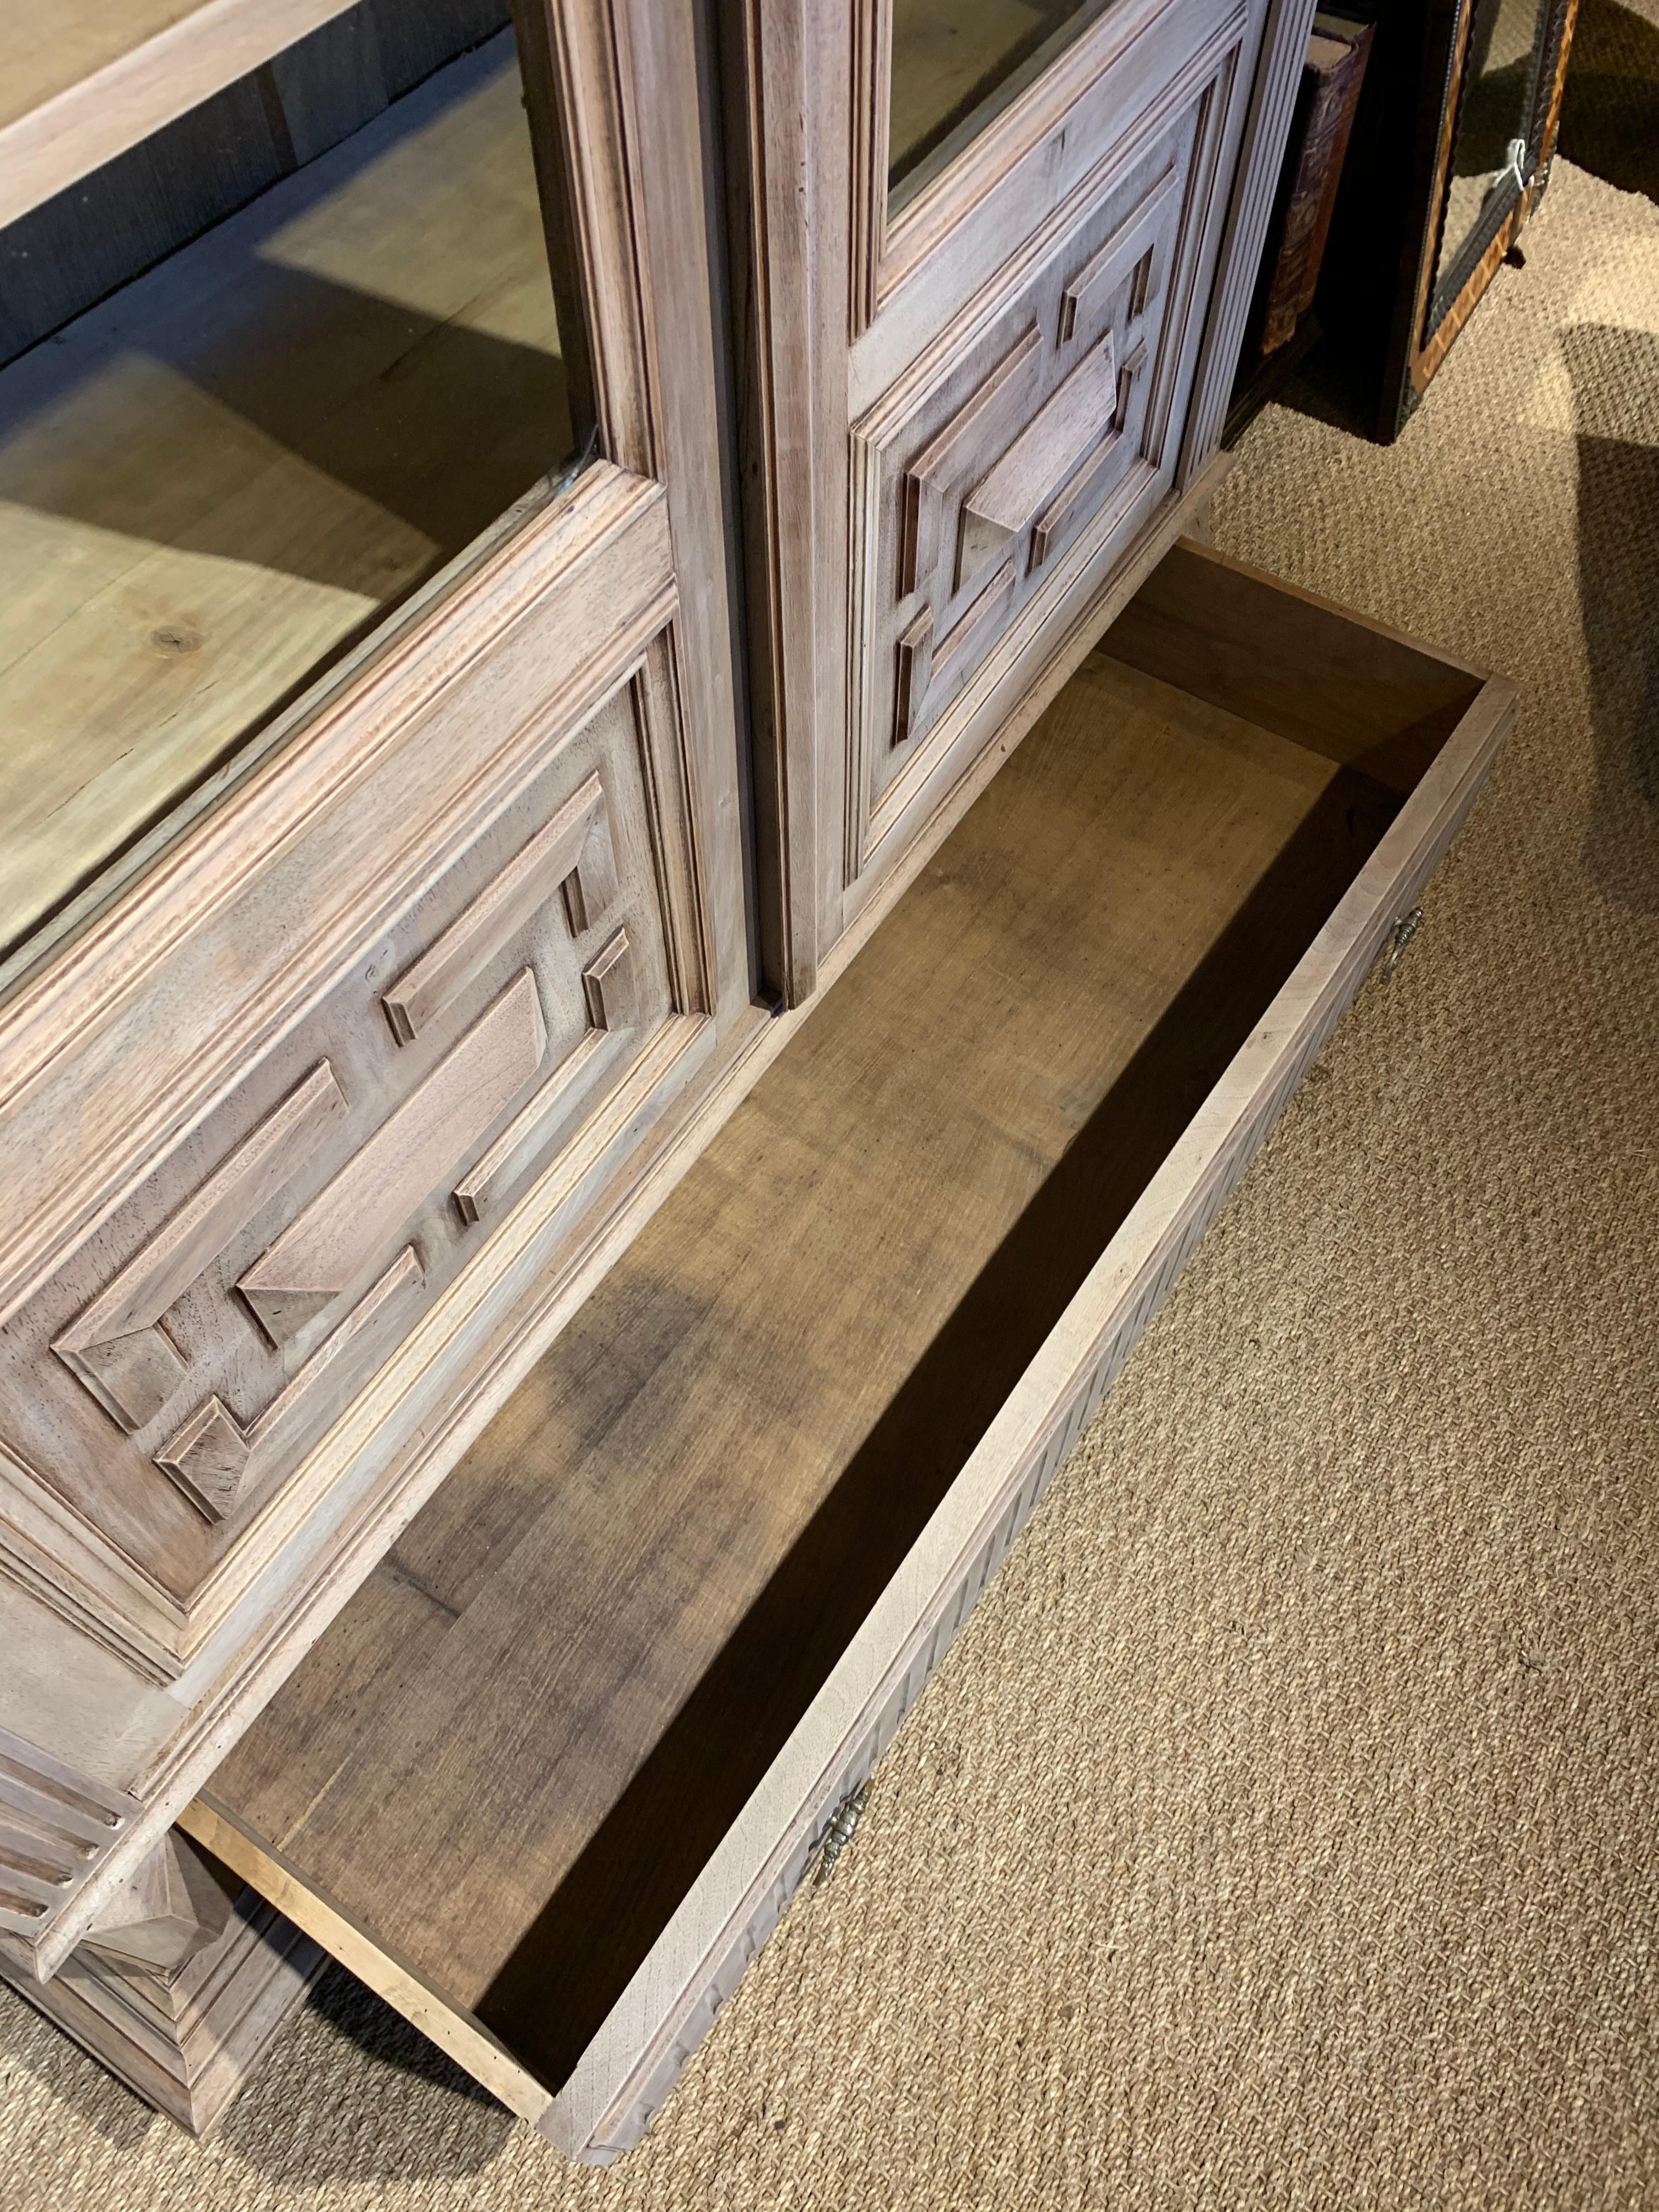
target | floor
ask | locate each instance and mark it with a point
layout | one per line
(1284, 1829)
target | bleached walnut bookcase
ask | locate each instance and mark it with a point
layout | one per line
(538, 545)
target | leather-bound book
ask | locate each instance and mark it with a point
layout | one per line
(1331, 78)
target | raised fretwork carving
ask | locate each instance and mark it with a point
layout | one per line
(1083, 490)
(214, 1459)
(178, 1396)
(1028, 430)
(1133, 249)
(117, 1347)
(968, 444)
(613, 1001)
(329, 1246)
(611, 987)
(575, 849)
(1071, 422)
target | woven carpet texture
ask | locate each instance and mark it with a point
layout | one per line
(1283, 1830)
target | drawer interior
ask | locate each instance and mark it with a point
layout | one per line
(507, 1762)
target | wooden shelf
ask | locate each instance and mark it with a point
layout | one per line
(87, 79)
(225, 474)
(504, 1766)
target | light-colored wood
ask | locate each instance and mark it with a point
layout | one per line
(979, 432)
(182, 2002)
(905, 367)
(999, 509)
(320, 1255)
(1134, 242)
(466, 947)
(155, 1585)
(167, 1577)
(424, 1411)
(55, 1823)
(208, 1456)
(786, 319)
(462, 2037)
(86, 79)
(947, 1249)
(1071, 448)
(171, 1907)
(217, 1461)
(630, 2068)
(497, 1363)
(116, 1346)
(1272, 101)
(208, 477)
(1078, 498)
(611, 988)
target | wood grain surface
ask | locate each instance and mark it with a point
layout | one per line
(219, 477)
(87, 79)
(507, 1761)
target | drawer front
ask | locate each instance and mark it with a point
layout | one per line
(1031, 442)
(173, 1377)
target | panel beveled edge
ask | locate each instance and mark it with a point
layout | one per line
(109, 1057)
(671, 1999)
(897, 247)
(872, 818)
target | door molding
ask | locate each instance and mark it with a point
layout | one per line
(597, 600)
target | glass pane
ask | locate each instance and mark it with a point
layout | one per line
(959, 63)
(220, 478)
(1496, 118)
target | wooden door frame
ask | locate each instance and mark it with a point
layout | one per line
(815, 264)
(113, 1051)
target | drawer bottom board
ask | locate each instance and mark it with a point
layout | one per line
(551, 1776)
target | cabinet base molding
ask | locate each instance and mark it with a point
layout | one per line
(183, 1986)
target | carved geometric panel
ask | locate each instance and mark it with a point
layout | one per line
(118, 1346)
(1036, 419)
(180, 1367)
(1035, 447)
(319, 1255)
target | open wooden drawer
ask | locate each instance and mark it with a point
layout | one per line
(552, 1775)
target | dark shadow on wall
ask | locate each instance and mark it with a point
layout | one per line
(1616, 383)
(1610, 105)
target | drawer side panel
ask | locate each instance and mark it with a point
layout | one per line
(632, 2063)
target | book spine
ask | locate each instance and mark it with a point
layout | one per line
(1332, 93)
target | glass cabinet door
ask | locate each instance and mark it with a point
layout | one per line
(371, 807)
(956, 64)
(267, 371)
